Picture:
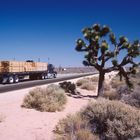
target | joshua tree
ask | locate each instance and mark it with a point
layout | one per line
(98, 53)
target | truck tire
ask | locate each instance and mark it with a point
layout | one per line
(54, 75)
(16, 79)
(49, 75)
(42, 76)
(46, 76)
(4, 80)
(11, 79)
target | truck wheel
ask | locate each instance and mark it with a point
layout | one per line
(46, 76)
(16, 79)
(4, 80)
(49, 75)
(42, 76)
(54, 75)
(11, 79)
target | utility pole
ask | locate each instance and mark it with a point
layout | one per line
(48, 60)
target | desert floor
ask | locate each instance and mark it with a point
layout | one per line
(28, 124)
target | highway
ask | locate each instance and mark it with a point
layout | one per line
(28, 84)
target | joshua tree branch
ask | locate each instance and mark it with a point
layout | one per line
(96, 65)
(98, 51)
(109, 69)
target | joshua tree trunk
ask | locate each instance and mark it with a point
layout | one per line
(101, 83)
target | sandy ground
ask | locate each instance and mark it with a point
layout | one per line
(29, 124)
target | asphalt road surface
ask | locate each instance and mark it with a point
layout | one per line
(28, 84)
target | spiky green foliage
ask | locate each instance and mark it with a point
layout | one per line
(98, 52)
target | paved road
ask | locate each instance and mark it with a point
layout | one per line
(27, 80)
(27, 84)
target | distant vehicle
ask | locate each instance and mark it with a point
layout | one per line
(15, 71)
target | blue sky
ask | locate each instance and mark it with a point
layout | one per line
(32, 29)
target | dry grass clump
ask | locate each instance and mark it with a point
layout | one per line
(95, 78)
(123, 90)
(119, 87)
(113, 119)
(112, 95)
(73, 127)
(133, 99)
(136, 79)
(129, 96)
(107, 86)
(85, 134)
(88, 86)
(51, 99)
(86, 83)
(115, 82)
(80, 82)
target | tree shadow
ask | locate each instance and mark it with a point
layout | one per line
(78, 95)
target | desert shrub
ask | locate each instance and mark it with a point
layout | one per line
(68, 87)
(107, 87)
(136, 94)
(73, 127)
(123, 90)
(94, 79)
(86, 83)
(85, 134)
(113, 119)
(133, 99)
(119, 87)
(135, 78)
(111, 95)
(88, 86)
(52, 98)
(80, 82)
(115, 82)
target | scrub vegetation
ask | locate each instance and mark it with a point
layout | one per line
(51, 99)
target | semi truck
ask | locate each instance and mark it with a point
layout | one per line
(15, 71)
